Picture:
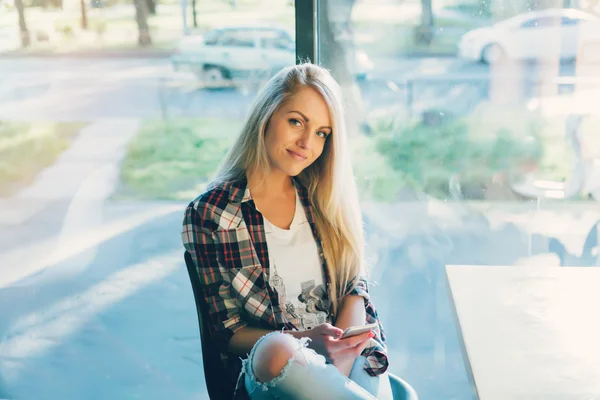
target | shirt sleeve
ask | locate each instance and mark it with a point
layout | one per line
(224, 313)
(376, 352)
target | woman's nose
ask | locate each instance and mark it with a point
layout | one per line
(304, 141)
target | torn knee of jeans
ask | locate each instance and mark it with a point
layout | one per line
(299, 357)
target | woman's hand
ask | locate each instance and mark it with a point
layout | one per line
(324, 339)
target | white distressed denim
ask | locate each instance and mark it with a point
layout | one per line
(308, 377)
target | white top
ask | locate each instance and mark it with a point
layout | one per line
(530, 333)
(296, 272)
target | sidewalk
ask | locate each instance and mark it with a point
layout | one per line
(82, 179)
(150, 52)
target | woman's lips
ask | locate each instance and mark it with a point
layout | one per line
(297, 156)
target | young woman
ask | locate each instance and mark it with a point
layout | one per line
(278, 245)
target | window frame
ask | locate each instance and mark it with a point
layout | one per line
(306, 31)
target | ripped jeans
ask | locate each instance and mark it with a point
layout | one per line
(308, 376)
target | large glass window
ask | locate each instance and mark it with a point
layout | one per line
(473, 143)
(109, 125)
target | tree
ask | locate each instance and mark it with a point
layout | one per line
(424, 34)
(340, 56)
(194, 13)
(84, 20)
(141, 17)
(151, 6)
(25, 41)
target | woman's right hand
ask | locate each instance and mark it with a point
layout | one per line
(325, 340)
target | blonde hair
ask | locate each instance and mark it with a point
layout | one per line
(329, 180)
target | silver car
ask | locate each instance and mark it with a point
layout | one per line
(230, 55)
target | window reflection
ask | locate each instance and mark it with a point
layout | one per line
(475, 139)
(469, 150)
(107, 130)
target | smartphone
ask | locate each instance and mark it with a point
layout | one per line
(357, 330)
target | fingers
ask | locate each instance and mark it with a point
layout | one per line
(356, 340)
(348, 345)
(363, 345)
(328, 329)
(350, 352)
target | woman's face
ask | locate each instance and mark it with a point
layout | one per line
(296, 134)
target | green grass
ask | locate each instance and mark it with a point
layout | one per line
(27, 148)
(375, 178)
(174, 159)
(490, 140)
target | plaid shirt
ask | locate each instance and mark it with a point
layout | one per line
(224, 234)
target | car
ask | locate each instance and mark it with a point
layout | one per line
(549, 34)
(233, 54)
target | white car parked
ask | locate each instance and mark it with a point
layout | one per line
(238, 53)
(544, 35)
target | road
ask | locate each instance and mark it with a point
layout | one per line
(71, 89)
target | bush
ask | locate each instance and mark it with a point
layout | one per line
(173, 159)
(27, 148)
(477, 147)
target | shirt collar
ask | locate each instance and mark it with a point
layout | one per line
(240, 193)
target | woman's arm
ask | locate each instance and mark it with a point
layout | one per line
(351, 313)
(243, 340)
(224, 315)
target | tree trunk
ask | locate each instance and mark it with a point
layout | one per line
(194, 13)
(141, 17)
(84, 20)
(339, 55)
(151, 6)
(424, 34)
(25, 41)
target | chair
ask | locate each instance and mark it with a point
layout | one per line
(402, 390)
(217, 384)
(214, 374)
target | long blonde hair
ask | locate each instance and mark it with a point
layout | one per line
(329, 180)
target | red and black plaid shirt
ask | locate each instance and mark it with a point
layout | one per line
(224, 235)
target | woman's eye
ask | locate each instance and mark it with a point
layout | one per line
(322, 134)
(295, 122)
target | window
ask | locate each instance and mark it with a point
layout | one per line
(99, 155)
(544, 22)
(459, 161)
(237, 38)
(568, 21)
(275, 40)
(212, 38)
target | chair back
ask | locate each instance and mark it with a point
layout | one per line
(217, 382)
(402, 390)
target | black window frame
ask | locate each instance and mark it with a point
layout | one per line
(306, 28)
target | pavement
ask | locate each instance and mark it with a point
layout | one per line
(83, 177)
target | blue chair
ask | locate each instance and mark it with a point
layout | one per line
(402, 390)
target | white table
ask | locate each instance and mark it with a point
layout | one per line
(529, 332)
